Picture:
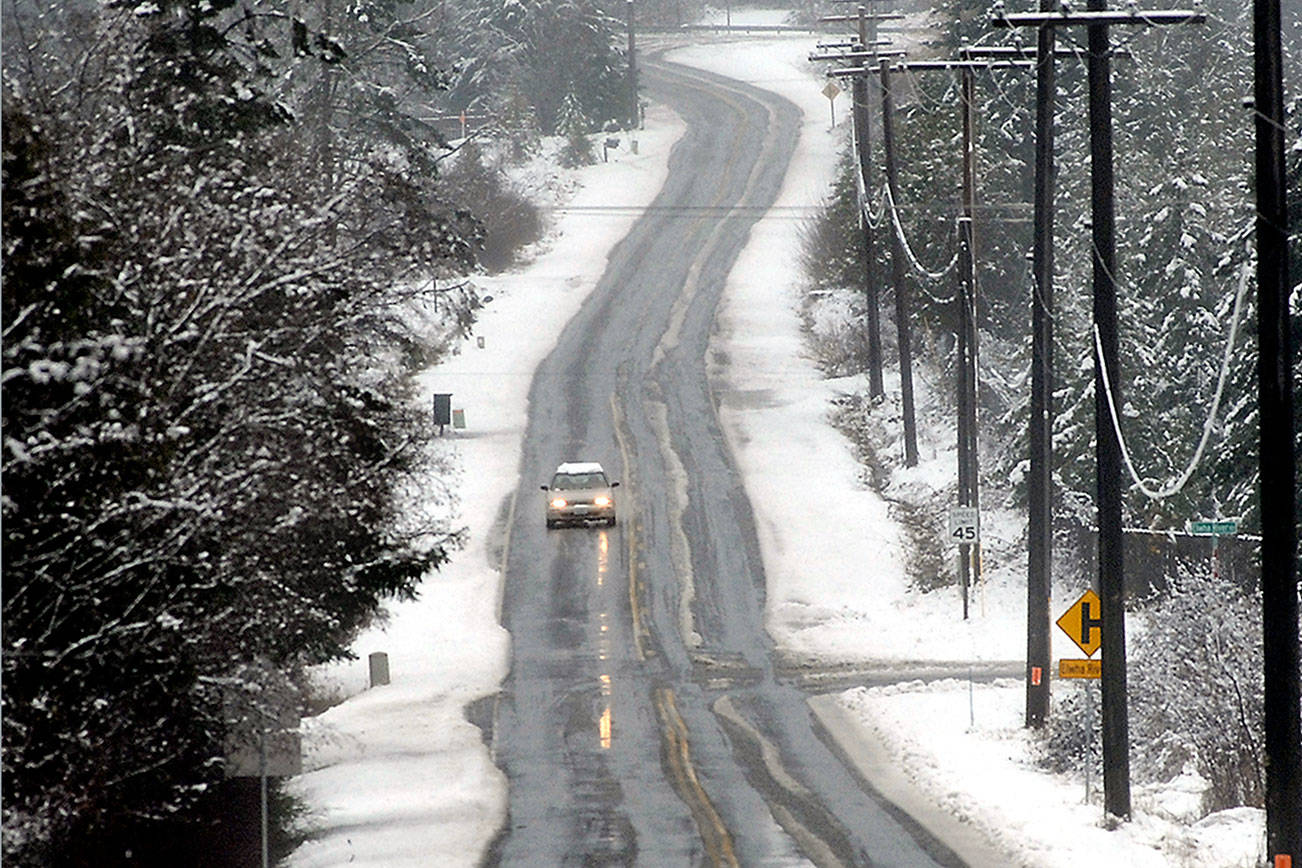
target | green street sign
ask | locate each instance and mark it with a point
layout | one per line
(1214, 528)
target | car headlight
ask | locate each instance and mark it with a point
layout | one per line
(602, 501)
(558, 503)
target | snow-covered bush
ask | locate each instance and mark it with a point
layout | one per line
(1195, 694)
(509, 219)
(1196, 687)
(575, 126)
(831, 245)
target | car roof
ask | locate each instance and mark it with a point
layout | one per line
(580, 467)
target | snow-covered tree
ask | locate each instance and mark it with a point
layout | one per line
(520, 127)
(546, 50)
(208, 453)
(575, 126)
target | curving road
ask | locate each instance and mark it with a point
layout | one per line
(645, 720)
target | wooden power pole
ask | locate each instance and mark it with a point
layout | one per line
(1116, 723)
(903, 329)
(1039, 483)
(1278, 470)
(634, 108)
(862, 52)
(863, 149)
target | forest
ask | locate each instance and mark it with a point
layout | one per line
(220, 220)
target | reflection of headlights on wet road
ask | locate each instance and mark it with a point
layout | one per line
(601, 500)
(558, 503)
(605, 728)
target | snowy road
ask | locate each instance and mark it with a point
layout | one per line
(399, 775)
(644, 720)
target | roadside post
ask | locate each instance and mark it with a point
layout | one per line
(964, 529)
(830, 90)
(1215, 528)
(1083, 624)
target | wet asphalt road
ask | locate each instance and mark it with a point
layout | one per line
(644, 721)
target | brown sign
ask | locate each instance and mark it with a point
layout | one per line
(1080, 668)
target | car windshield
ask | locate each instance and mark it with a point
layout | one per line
(579, 480)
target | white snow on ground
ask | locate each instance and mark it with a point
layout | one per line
(396, 776)
(971, 757)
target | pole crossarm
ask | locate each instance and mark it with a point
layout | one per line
(867, 16)
(924, 65)
(858, 55)
(850, 44)
(852, 71)
(1106, 17)
(932, 65)
(975, 52)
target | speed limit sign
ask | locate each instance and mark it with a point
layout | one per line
(964, 524)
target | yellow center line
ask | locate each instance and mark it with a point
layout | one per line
(630, 522)
(718, 842)
(677, 747)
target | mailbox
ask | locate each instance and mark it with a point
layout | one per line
(443, 409)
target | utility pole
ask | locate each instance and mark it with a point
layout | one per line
(868, 36)
(1107, 374)
(1115, 723)
(634, 109)
(965, 338)
(863, 145)
(1279, 580)
(898, 278)
(969, 465)
(1039, 532)
(863, 51)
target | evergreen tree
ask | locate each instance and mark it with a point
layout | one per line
(210, 460)
(546, 50)
(575, 126)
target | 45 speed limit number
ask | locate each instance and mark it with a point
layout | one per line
(964, 524)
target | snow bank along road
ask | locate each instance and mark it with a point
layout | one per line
(644, 719)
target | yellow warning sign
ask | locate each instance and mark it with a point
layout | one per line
(1080, 668)
(1083, 623)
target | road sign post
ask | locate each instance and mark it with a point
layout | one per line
(1215, 528)
(831, 91)
(1083, 624)
(964, 528)
(964, 525)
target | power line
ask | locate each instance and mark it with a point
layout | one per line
(908, 249)
(1210, 423)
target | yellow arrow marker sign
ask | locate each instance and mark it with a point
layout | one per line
(1083, 623)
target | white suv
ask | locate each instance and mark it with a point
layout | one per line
(580, 492)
